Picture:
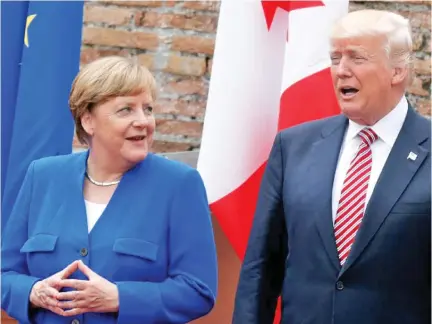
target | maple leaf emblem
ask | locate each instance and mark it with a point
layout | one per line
(270, 7)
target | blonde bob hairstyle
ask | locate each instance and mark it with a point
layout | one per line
(103, 79)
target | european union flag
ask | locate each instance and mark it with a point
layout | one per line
(40, 44)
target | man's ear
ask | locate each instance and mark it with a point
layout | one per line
(400, 74)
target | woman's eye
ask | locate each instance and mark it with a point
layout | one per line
(148, 109)
(124, 110)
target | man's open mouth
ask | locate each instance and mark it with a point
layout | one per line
(348, 91)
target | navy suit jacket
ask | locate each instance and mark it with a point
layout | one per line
(154, 240)
(292, 249)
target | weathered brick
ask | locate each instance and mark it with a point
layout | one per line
(183, 65)
(193, 44)
(120, 38)
(411, 2)
(417, 88)
(424, 107)
(418, 19)
(353, 6)
(158, 3)
(203, 23)
(147, 60)
(186, 128)
(418, 41)
(89, 54)
(154, 3)
(209, 66)
(404, 1)
(165, 147)
(111, 16)
(180, 107)
(209, 5)
(422, 66)
(186, 87)
(427, 47)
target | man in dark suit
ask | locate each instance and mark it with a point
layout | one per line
(342, 229)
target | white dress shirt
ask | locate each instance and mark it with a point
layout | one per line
(94, 212)
(387, 129)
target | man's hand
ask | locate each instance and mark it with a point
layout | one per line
(44, 293)
(94, 295)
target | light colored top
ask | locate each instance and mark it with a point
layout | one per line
(94, 212)
(387, 129)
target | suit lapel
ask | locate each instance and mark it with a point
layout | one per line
(395, 177)
(324, 157)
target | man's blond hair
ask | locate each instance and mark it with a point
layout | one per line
(395, 29)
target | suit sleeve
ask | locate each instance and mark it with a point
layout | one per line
(16, 281)
(263, 268)
(190, 290)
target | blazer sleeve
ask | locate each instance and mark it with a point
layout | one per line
(263, 268)
(16, 281)
(190, 290)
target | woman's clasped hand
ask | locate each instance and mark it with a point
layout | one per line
(93, 295)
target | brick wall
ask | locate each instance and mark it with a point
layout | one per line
(175, 39)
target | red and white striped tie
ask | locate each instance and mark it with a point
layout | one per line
(353, 196)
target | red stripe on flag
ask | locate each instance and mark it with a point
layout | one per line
(309, 99)
(235, 211)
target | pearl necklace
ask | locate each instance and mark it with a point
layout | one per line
(101, 184)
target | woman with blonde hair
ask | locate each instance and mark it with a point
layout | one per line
(114, 234)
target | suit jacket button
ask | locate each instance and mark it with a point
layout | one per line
(83, 253)
(339, 285)
(75, 321)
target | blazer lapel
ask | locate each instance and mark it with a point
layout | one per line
(324, 158)
(395, 177)
(75, 201)
(128, 190)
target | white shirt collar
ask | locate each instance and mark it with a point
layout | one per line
(388, 127)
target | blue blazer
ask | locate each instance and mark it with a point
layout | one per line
(154, 240)
(292, 249)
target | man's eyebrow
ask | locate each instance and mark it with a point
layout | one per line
(356, 49)
(352, 49)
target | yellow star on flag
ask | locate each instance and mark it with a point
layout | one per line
(28, 22)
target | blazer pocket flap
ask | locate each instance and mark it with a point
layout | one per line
(139, 248)
(411, 208)
(40, 243)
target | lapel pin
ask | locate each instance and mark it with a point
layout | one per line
(412, 156)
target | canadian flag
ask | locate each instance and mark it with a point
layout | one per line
(270, 71)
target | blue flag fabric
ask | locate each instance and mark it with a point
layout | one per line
(40, 43)
(13, 22)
